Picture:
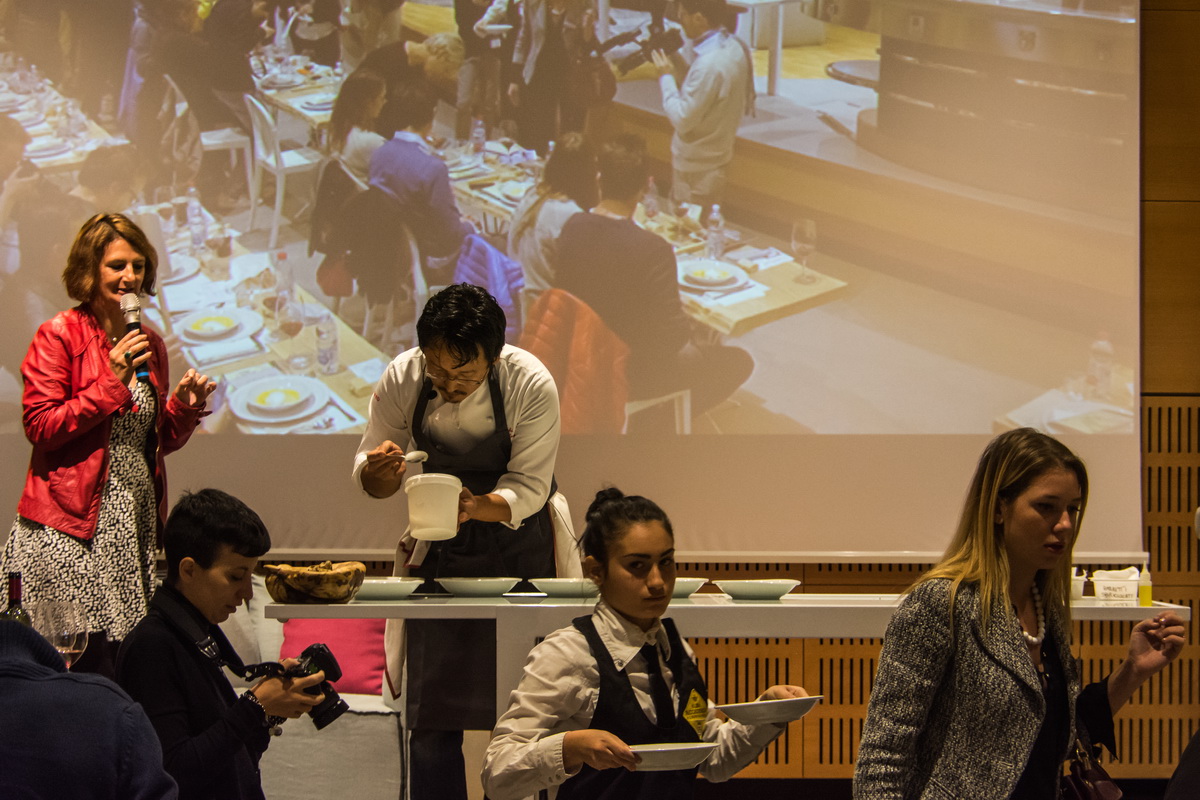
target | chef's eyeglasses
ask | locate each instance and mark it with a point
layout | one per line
(444, 379)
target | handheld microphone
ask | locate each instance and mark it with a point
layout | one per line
(131, 307)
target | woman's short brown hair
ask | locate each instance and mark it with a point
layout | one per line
(83, 262)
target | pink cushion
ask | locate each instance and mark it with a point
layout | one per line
(356, 643)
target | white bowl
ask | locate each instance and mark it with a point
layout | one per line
(391, 588)
(763, 711)
(685, 587)
(566, 587)
(478, 587)
(663, 757)
(763, 589)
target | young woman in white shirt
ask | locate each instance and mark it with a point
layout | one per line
(351, 124)
(589, 690)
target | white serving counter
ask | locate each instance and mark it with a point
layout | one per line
(523, 619)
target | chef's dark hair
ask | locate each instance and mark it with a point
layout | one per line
(463, 318)
(611, 514)
(203, 521)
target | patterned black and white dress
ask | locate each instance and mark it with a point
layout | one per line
(113, 574)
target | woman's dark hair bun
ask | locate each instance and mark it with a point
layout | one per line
(608, 494)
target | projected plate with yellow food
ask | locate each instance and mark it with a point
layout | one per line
(704, 273)
(221, 323)
(279, 398)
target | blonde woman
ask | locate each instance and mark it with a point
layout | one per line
(977, 693)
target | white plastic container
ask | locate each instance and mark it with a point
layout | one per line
(1116, 585)
(433, 505)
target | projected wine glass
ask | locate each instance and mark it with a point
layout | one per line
(64, 624)
(804, 242)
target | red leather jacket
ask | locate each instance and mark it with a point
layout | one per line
(71, 396)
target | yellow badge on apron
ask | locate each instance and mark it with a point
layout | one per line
(696, 712)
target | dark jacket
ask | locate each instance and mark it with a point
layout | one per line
(71, 396)
(64, 734)
(211, 739)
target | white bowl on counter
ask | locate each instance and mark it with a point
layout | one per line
(685, 587)
(391, 588)
(761, 589)
(478, 587)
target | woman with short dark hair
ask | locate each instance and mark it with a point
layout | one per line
(100, 419)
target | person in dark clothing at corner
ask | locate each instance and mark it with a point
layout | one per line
(65, 734)
(629, 277)
(171, 662)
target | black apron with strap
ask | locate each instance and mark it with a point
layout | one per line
(619, 713)
(451, 664)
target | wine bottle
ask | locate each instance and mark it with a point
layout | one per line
(16, 611)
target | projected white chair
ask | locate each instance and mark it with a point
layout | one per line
(682, 400)
(270, 156)
(217, 140)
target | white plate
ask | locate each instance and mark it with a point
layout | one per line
(760, 712)
(478, 587)
(282, 82)
(394, 588)
(666, 757)
(29, 118)
(686, 587)
(566, 587)
(47, 149)
(210, 324)
(703, 273)
(245, 323)
(765, 589)
(317, 105)
(183, 267)
(310, 396)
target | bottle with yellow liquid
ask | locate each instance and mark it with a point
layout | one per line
(1144, 590)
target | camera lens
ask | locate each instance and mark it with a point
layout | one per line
(332, 707)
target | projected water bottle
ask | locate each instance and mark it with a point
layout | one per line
(714, 245)
(197, 226)
(327, 344)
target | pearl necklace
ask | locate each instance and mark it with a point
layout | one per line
(1031, 640)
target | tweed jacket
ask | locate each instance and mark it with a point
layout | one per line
(954, 714)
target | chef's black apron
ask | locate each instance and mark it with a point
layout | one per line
(451, 664)
(619, 713)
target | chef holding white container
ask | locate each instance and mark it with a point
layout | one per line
(487, 416)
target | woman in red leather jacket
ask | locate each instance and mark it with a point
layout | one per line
(95, 495)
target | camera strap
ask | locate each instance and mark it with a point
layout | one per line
(209, 639)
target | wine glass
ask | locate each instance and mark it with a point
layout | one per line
(804, 242)
(290, 322)
(64, 624)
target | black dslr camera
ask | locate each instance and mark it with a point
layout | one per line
(315, 658)
(658, 37)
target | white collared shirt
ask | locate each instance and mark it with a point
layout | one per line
(558, 694)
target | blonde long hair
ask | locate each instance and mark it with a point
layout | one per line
(1009, 465)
